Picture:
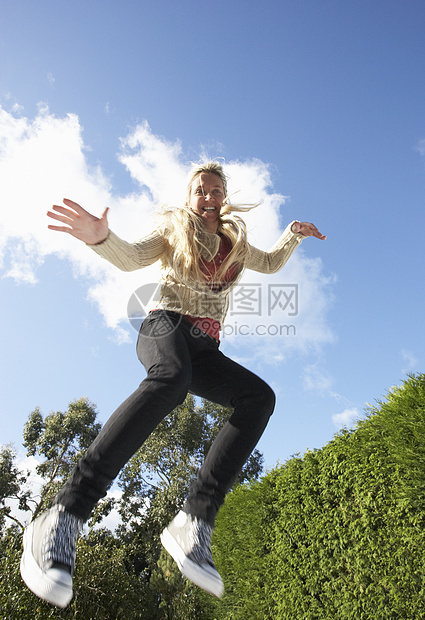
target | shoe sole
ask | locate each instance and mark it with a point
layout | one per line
(195, 573)
(39, 581)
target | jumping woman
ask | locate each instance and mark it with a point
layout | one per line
(203, 250)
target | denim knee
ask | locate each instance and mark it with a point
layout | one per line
(262, 397)
(266, 401)
(254, 407)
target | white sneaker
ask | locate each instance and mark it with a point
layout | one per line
(49, 555)
(188, 540)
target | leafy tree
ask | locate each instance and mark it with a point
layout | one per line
(103, 586)
(60, 439)
(124, 574)
(12, 485)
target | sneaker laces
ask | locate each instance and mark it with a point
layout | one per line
(61, 538)
(200, 542)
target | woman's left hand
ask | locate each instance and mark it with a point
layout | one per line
(307, 229)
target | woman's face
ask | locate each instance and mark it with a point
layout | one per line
(206, 198)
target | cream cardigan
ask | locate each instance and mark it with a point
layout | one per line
(183, 298)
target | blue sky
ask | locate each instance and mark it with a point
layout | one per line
(316, 108)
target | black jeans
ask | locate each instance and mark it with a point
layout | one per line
(178, 358)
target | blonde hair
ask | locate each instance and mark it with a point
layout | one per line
(188, 239)
(209, 167)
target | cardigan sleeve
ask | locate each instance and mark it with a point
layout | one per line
(273, 260)
(130, 256)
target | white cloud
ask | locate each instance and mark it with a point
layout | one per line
(420, 147)
(347, 418)
(153, 163)
(410, 361)
(317, 379)
(44, 159)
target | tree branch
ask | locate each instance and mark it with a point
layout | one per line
(15, 520)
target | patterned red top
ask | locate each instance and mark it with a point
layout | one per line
(205, 324)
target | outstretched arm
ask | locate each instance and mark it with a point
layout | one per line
(95, 233)
(79, 222)
(273, 260)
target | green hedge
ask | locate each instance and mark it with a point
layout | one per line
(338, 533)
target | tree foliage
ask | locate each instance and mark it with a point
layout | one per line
(59, 439)
(122, 574)
(12, 485)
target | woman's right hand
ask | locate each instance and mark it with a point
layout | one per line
(80, 223)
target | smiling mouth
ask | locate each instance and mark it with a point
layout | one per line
(208, 209)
